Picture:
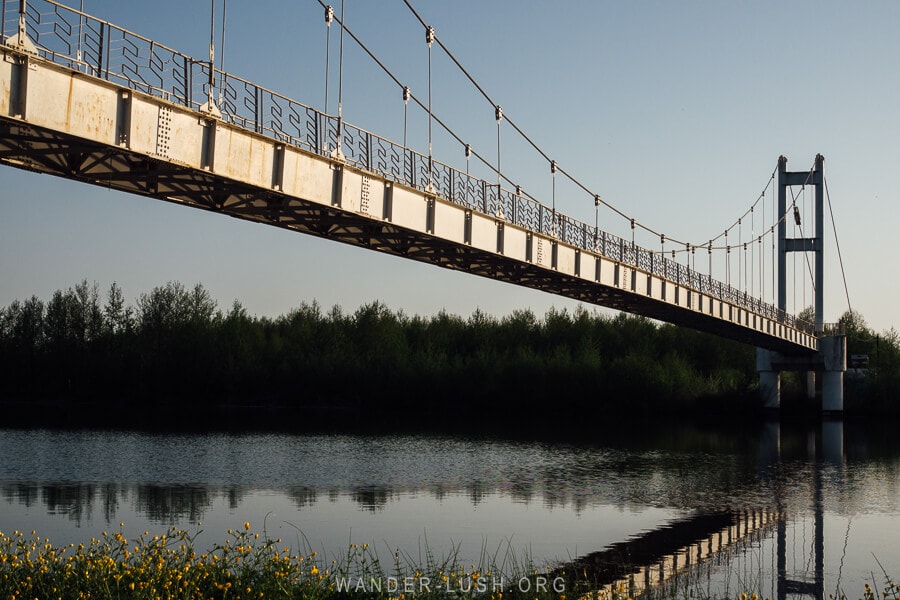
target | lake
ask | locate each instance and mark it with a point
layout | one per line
(783, 509)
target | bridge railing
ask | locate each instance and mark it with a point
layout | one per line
(81, 42)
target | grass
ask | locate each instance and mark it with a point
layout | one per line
(249, 565)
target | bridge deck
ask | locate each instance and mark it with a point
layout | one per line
(58, 120)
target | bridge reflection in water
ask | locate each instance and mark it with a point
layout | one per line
(679, 553)
(708, 551)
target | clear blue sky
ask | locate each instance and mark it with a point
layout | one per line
(675, 112)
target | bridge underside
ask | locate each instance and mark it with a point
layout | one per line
(116, 167)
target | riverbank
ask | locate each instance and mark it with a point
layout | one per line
(249, 564)
(75, 354)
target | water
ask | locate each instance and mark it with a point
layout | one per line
(837, 487)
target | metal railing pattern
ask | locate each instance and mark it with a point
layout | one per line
(81, 42)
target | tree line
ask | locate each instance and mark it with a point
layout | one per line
(175, 346)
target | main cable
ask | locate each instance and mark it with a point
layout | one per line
(838, 244)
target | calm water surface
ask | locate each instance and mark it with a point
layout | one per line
(835, 489)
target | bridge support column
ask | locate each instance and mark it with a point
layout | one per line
(827, 365)
(833, 350)
(769, 379)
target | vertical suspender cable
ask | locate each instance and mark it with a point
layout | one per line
(794, 259)
(553, 182)
(752, 281)
(498, 114)
(407, 155)
(804, 254)
(777, 219)
(740, 243)
(222, 53)
(406, 95)
(728, 265)
(212, 54)
(340, 115)
(80, 21)
(429, 38)
(22, 9)
(762, 248)
(727, 260)
(329, 17)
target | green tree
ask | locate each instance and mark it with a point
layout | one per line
(119, 318)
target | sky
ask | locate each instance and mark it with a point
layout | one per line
(673, 112)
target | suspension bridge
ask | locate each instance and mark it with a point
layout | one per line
(87, 100)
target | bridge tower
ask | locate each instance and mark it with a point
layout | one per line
(829, 360)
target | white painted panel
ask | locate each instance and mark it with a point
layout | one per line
(449, 221)
(371, 196)
(5, 82)
(46, 89)
(187, 134)
(351, 190)
(307, 177)
(484, 232)
(607, 272)
(243, 156)
(144, 124)
(640, 282)
(624, 277)
(514, 242)
(587, 266)
(92, 110)
(408, 209)
(565, 259)
(541, 251)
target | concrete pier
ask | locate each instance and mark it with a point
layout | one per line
(827, 365)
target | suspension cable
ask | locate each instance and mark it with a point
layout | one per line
(554, 167)
(518, 130)
(838, 244)
(469, 150)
